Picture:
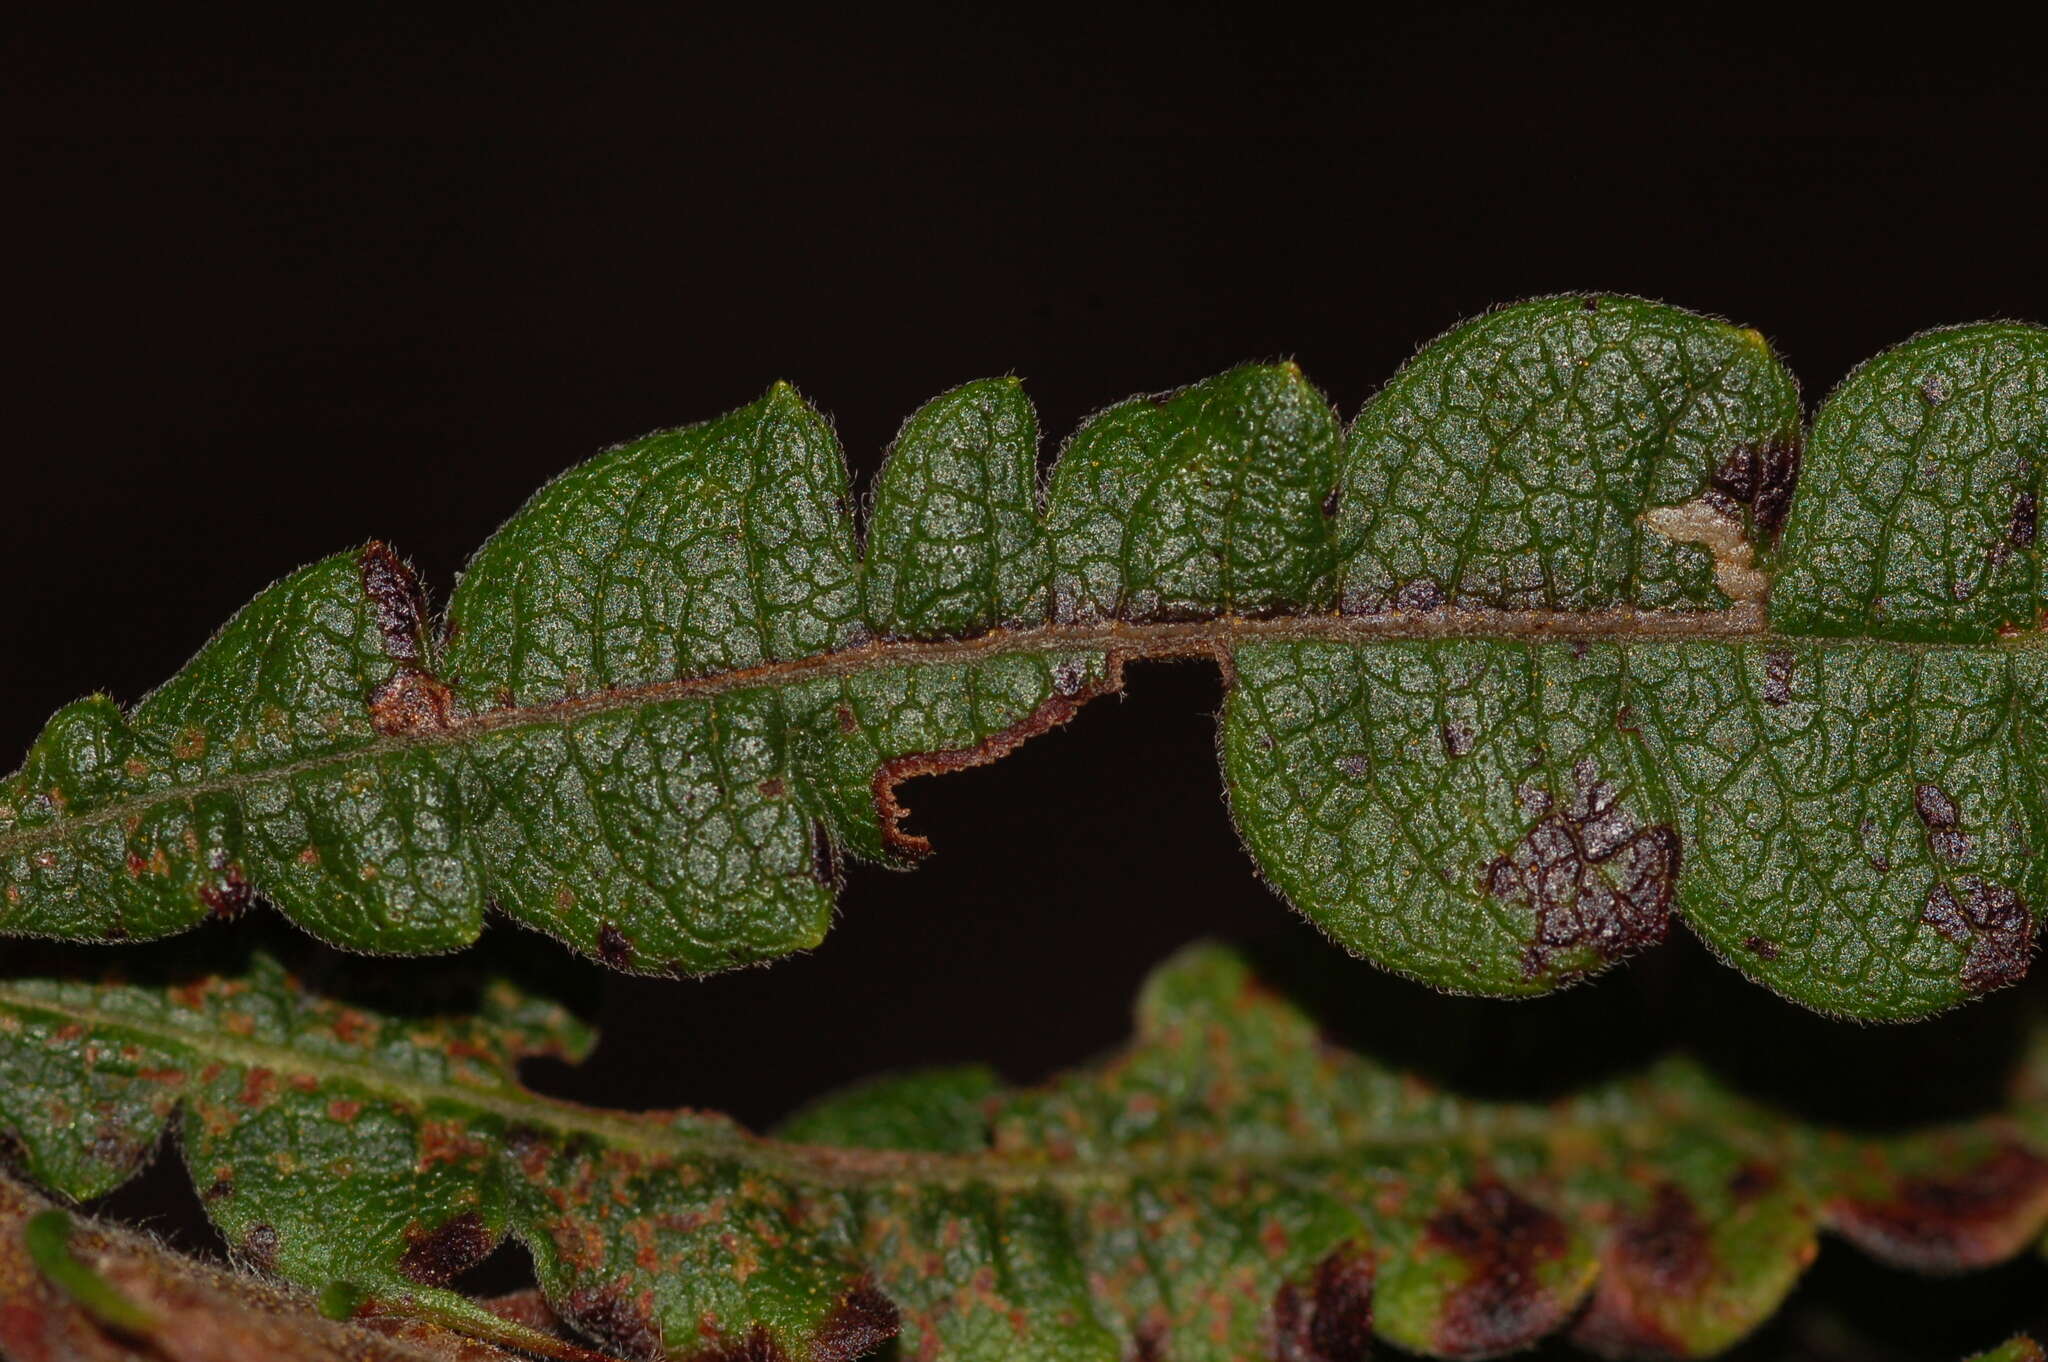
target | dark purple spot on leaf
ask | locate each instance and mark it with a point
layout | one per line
(260, 1246)
(1761, 476)
(1419, 597)
(1777, 687)
(1994, 920)
(614, 946)
(1652, 1256)
(1592, 877)
(1329, 1318)
(396, 599)
(1938, 812)
(2024, 523)
(437, 1257)
(824, 855)
(1666, 1246)
(1973, 1216)
(863, 1320)
(615, 1316)
(1505, 1241)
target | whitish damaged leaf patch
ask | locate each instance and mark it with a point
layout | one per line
(1576, 631)
(1231, 1184)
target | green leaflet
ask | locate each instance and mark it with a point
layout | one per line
(1918, 517)
(1229, 1185)
(1510, 464)
(1573, 632)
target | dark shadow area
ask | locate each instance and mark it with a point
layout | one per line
(1078, 862)
(509, 1268)
(162, 1200)
(1868, 1077)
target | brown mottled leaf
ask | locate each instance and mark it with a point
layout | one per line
(1231, 1184)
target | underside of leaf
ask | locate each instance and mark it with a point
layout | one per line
(1232, 1184)
(1577, 630)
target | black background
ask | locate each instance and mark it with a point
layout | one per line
(264, 338)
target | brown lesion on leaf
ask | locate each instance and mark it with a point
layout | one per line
(1419, 597)
(1504, 1241)
(438, 1256)
(2023, 519)
(114, 1145)
(2023, 525)
(1777, 685)
(1937, 812)
(1592, 876)
(1328, 1318)
(1071, 694)
(824, 867)
(1653, 1259)
(1762, 947)
(863, 1320)
(1993, 920)
(1946, 1222)
(617, 1316)
(614, 947)
(411, 702)
(260, 1247)
(229, 896)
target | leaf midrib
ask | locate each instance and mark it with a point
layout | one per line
(824, 1164)
(1129, 642)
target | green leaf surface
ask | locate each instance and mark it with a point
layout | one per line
(1575, 632)
(1230, 1184)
